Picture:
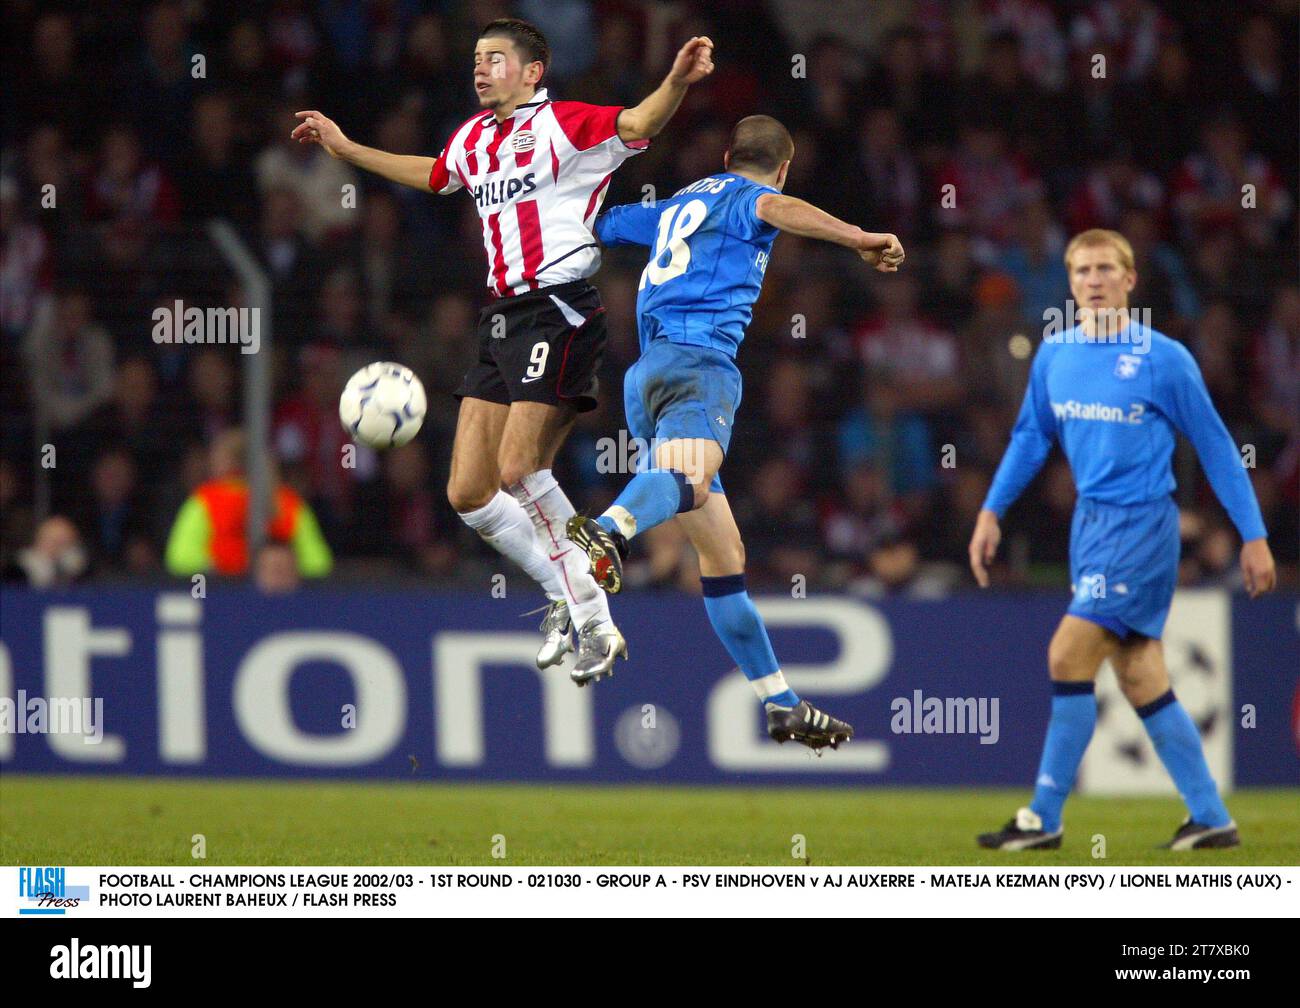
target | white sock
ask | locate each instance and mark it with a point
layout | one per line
(506, 527)
(544, 501)
(770, 685)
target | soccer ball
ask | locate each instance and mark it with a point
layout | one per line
(383, 405)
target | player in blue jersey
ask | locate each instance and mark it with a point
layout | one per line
(1113, 393)
(709, 247)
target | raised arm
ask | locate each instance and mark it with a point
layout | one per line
(408, 169)
(694, 62)
(799, 217)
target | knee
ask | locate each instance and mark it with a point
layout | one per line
(1133, 690)
(701, 495)
(1064, 664)
(465, 499)
(1130, 680)
(1141, 684)
(514, 469)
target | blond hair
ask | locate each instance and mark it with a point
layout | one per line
(1102, 236)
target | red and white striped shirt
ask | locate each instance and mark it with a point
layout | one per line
(539, 178)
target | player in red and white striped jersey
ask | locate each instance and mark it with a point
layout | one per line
(538, 170)
(538, 178)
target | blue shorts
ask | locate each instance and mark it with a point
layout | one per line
(681, 391)
(1124, 564)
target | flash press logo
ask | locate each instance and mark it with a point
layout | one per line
(44, 892)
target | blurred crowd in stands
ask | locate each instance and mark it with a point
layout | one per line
(982, 132)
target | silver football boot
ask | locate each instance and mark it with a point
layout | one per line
(556, 625)
(599, 644)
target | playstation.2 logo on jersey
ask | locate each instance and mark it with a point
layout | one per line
(1126, 365)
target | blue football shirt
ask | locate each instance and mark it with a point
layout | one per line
(709, 251)
(1115, 407)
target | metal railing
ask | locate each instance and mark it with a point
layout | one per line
(257, 379)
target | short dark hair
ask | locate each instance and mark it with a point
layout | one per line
(530, 42)
(759, 143)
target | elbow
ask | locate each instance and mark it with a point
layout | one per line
(634, 125)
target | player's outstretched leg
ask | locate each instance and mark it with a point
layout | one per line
(650, 498)
(532, 435)
(500, 520)
(712, 531)
(503, 524)
(679, 482)
(599, 641)
(1140, 668)
(1077, 650)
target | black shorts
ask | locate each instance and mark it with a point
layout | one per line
(542, 346)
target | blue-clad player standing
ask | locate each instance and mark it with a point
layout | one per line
(1114, 393)
(710, 244)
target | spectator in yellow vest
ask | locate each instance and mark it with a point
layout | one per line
(210, 531)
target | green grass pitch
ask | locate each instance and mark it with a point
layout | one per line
(134, 821)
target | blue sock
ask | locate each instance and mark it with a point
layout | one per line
(1074, 715)
(649, 499)
(741, 630)
(1179, 744)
